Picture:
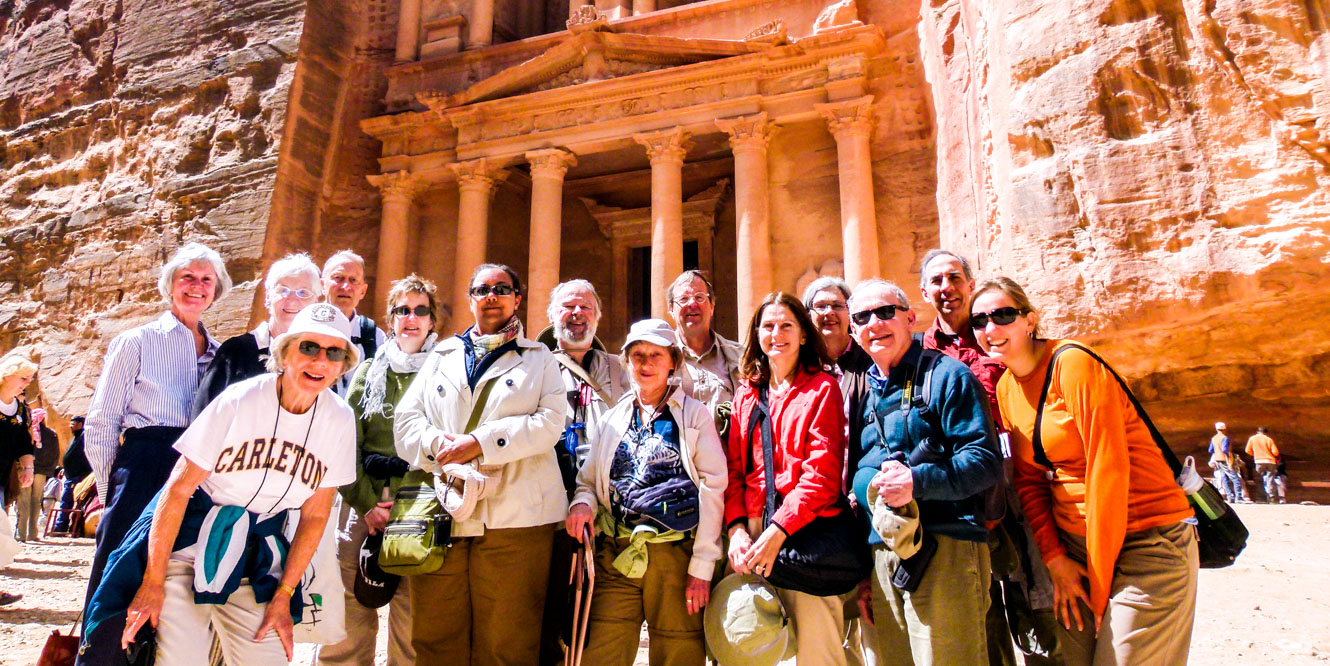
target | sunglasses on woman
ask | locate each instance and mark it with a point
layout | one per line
(311, 349)
(419, 311)
(1000, 316)
(483, 290)
(883, 313)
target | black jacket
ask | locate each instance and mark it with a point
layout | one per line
(75, 461)
(236, 360)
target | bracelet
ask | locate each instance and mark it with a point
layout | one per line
(290, 591)
(27, 469)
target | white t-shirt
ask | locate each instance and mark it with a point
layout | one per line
(9, 408)
(265, 458)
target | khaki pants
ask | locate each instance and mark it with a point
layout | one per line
(859, 642)
(30, 509)
(819, 627)
(941, 622)
(362, 624)
(1151, 604)
(183, 633)
(484, 605)
(620, 604)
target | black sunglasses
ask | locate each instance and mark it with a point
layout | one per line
(483, 290)
(883, 313)
(311, 349)
(419, 311)
(1000, 316)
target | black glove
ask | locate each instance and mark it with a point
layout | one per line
(384, 467)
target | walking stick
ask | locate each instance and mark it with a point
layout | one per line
(589, 577)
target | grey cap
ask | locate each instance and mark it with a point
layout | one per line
(655, 331)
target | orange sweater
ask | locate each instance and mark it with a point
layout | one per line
(1262, 449)
(1109, 477)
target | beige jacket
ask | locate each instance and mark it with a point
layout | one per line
(519, 427)
(703, 459)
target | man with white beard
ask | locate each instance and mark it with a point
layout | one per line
(594, 380)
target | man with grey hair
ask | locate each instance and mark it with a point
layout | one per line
(710, 372)
(344, 286)
(929, 450)
(594, 381)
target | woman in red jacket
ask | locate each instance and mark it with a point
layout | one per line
(785, 357)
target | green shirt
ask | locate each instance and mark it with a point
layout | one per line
(374, 434)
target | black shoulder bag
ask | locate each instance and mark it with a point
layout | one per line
(1221, 536)
(827, 557)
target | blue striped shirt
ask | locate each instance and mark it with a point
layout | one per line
(149, 378)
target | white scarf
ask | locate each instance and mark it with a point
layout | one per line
(402, 363)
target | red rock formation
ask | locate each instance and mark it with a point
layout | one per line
(1157, 174)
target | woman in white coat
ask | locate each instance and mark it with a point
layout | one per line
(652, 487)
(491, 589)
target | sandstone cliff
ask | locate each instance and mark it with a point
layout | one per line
(1157, 174)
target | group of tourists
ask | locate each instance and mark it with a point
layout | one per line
(834, 490)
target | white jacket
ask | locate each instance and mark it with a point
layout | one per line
(519, 427)
(703, 459)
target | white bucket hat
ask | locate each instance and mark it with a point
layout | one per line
(321, 319)
(745, 623)
(460, 486)
(655, 331)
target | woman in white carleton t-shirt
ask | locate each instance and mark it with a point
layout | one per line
(275, 442)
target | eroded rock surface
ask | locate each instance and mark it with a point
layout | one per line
(1157, 174)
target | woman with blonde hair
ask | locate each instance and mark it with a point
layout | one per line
(16, 372)
(1100, 498)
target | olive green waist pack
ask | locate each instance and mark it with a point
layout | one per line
(419, 531)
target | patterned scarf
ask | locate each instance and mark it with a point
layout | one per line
(390, 356)
(484, 344)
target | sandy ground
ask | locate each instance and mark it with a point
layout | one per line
(1269, 608)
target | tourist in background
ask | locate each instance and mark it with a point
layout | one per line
(76, 469)
(45, 461)
(292, 283)
(1227, 478)
(783, 364)
(651, 490)
(1266, 457)
(934, 468)
(593, 381)
(490, 592)
(16, 444)
(1100, 498)
(209, 552)
(376, 389)
(344, 286)
(144, 400)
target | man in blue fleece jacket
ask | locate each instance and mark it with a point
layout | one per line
(905, 458)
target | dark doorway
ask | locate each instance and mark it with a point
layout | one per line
(639, 278)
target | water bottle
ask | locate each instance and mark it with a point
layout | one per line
(1202, 495)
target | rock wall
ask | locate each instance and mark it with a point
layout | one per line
(1157, 173)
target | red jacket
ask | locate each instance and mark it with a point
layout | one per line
(966, 349)
(808, 431)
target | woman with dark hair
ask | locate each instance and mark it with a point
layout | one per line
(784, 368)
(485, 412)
(1101, 500)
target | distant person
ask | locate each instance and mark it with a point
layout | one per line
(1102, 502)
(1266, 456)
(45, 460)
(16, 444)
(711, 362)
(1221, 461)
(76, 469)
(344, 286)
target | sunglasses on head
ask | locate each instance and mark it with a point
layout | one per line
(311, 349)
(883, 313)
(483, 290)
(402, 311)
(1000, 316)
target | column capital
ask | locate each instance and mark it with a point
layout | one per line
(477, 175)
(550, 162)
(748, 132)
(397, 185)
(666, 145)
(848, 118)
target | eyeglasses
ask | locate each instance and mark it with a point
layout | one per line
(1000, 316)
(826, 308)
(483, 290)
(700, 299)
(419, 311)
(311, 349)
(883, 313)
(282, 291)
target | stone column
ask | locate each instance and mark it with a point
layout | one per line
(480, 26)
(851, 122)
(397, 190)
(666, 149)
(476, 183)
(547, 171)
(749, 137)
(408, 31)
(643, 6)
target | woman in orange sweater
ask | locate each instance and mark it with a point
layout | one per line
(1104, 506)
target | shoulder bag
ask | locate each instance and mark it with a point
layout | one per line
(1220, 534)
(827, 557)
(419, 531)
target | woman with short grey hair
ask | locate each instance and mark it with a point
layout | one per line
(292, 283)
(144, 397)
